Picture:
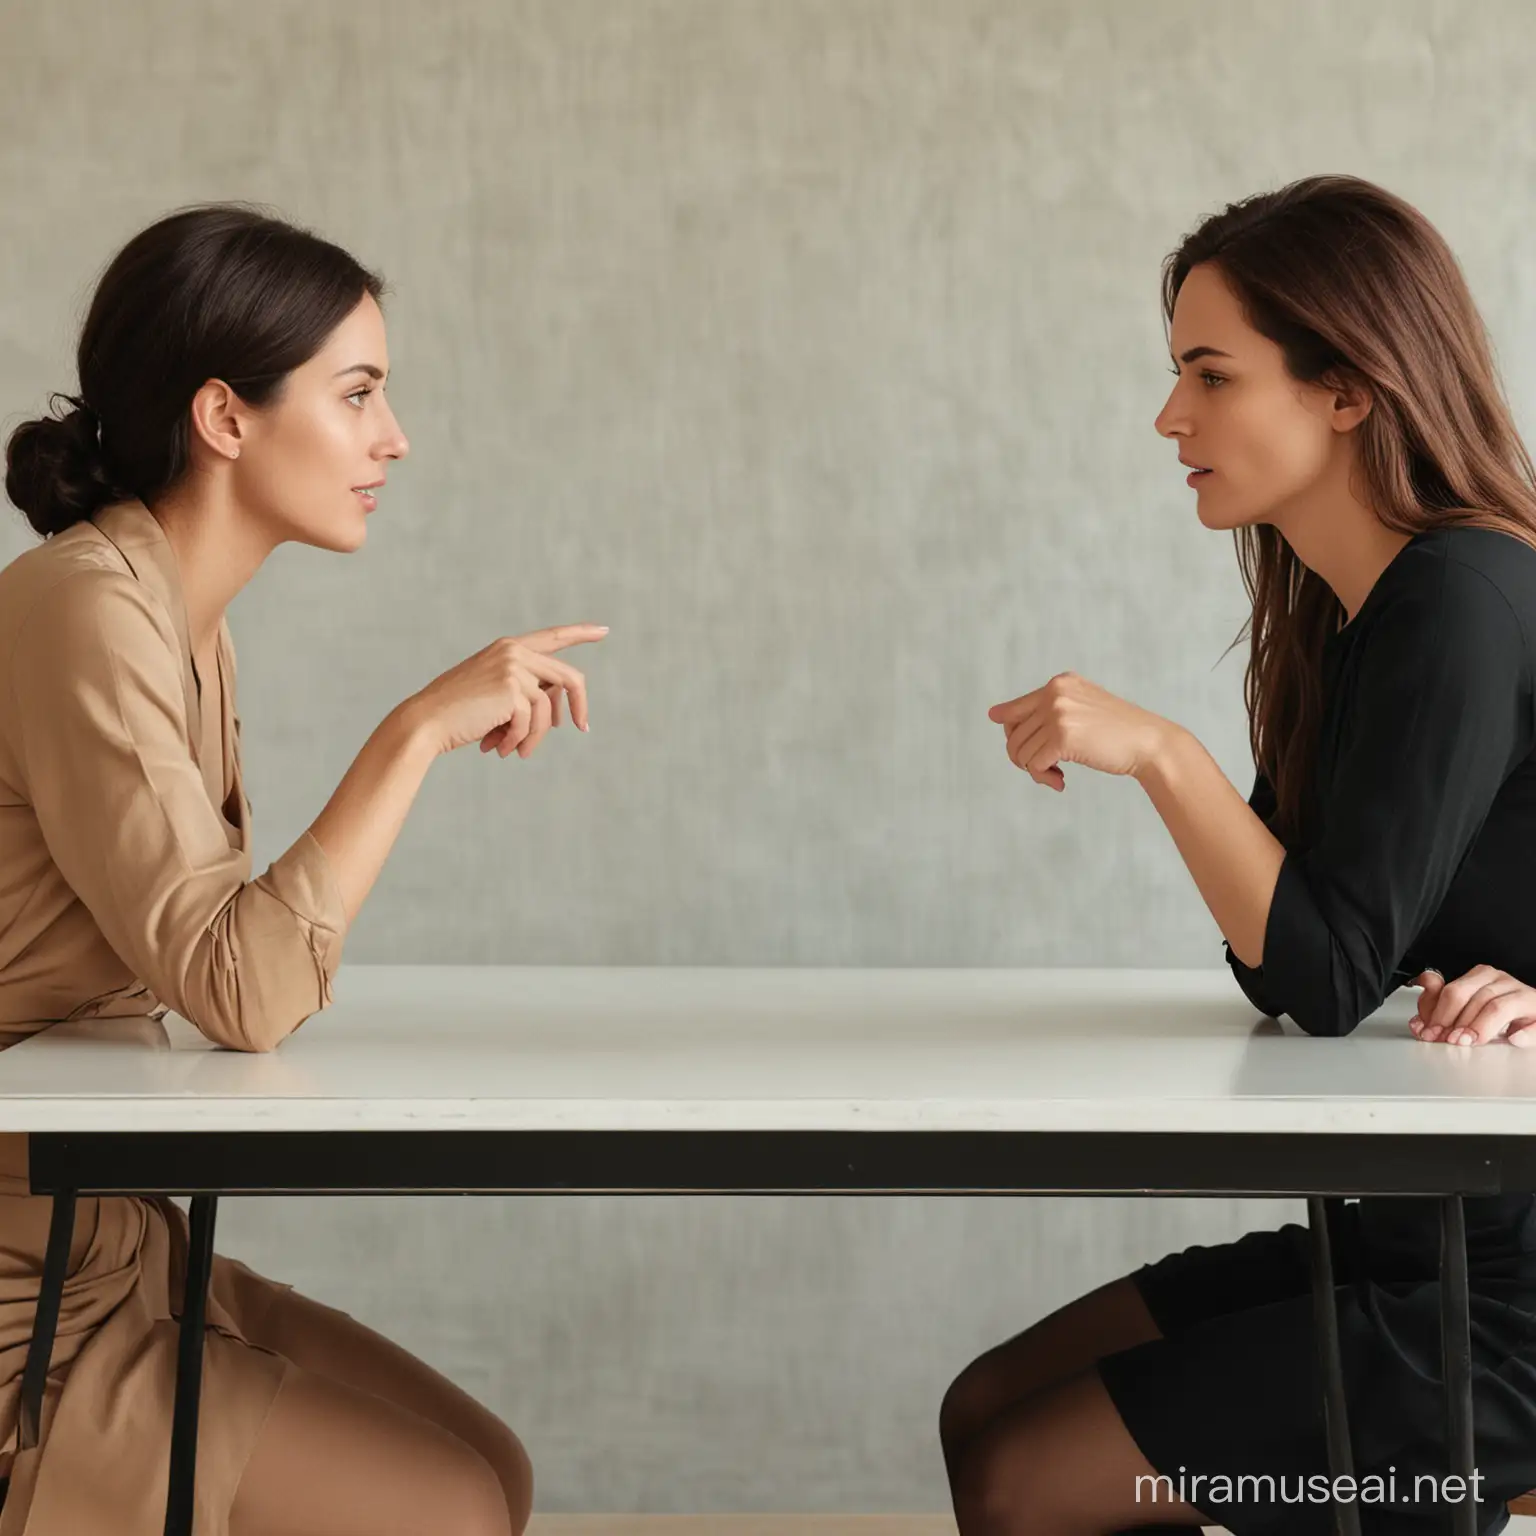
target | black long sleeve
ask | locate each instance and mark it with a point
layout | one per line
(1427, 717)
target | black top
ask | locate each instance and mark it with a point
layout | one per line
(1420, 842)
(1422, 809)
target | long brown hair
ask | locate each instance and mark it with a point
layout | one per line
(1352, 283)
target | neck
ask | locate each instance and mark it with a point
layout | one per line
(218, 548)
(1337, 535)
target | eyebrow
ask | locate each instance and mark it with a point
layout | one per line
(1195, 352)
(368, 368)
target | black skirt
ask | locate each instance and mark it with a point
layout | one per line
(1231, 1394)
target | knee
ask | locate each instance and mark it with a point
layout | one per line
(992, 1499)
(963, 1412)
(473, 1502)
(513, 1470)
(949, 1414)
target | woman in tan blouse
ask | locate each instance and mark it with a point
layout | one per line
(231, 399)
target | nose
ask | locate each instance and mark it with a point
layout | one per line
(1173, 419)
(395, 445)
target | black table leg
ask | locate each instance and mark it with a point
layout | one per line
(189, 1369)
(50, 1296)
(1456, 1360)
(1325, 1322)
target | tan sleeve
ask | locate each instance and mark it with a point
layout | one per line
(102, 744)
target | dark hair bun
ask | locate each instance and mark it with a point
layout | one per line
(54, 470)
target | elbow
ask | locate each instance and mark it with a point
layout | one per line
(1325, 1021)
(1329, 1013)
(253, 1034)
(1250, 979)
(1338, 1009)
(253, 1009)
(253, 975)
(265, 993)
(248, 1047)
(1326, 982)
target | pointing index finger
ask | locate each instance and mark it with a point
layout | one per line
(1012, 710)
(562, 635)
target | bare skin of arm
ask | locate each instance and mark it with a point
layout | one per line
(362, 819)
(507, 697)
(1234, 858)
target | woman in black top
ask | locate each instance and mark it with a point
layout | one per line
(1338, 407)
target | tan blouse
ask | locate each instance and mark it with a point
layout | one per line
(126, 890)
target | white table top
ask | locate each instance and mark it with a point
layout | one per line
(567, 1048)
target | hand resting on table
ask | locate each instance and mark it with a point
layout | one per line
(1478, 1008)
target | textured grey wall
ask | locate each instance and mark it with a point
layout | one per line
(814, 346)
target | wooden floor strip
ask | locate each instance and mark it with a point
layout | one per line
(742, 1525)
(790, 1525)
(784, 1525)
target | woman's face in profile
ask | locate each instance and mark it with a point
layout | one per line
(1264, 438)
(330, 432)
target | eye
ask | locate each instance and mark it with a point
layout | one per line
(356, 392)
(1205, 377)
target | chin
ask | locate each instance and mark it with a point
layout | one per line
(340, 538)
(1222, 520)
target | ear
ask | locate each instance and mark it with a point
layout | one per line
(1351, 399)
(218, 418)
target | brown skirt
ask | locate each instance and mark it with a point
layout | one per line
(101, 1464)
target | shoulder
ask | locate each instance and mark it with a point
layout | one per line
(1458, 590)
(74, 595)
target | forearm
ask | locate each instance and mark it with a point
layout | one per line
(361, 821)
(1234, 858)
